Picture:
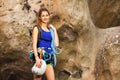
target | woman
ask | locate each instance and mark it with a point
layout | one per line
(45, 41)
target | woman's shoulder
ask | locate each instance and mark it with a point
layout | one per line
(35, 26)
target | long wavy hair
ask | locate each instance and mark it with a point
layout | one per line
(39, 22)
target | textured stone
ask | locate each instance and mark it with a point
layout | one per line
(105, 13)
(88, 52)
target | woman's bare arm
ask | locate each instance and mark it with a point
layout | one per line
(56, 35)
(56, 38)
(34, 40)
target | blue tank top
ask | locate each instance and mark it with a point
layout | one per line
(45, 41)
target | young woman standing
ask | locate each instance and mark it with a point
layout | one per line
(45, 41)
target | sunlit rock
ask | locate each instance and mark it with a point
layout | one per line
(88, 52)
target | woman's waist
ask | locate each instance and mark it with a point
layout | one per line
(46, 49)
(44, 44)
(45, 40)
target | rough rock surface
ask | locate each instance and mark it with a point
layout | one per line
(88, 52)
(105, 13)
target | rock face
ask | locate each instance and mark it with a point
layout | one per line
(107, 58)
(105, 13)
(88, 52)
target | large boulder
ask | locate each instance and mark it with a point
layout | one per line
(88, 52)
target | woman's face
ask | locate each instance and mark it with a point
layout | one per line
(44, 17)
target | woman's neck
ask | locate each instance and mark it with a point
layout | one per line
(44, 25)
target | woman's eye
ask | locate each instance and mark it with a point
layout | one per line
(47, 15)
(42, 16)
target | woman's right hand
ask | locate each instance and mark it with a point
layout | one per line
(38, 62)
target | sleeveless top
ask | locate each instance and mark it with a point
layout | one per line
(45, 41)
